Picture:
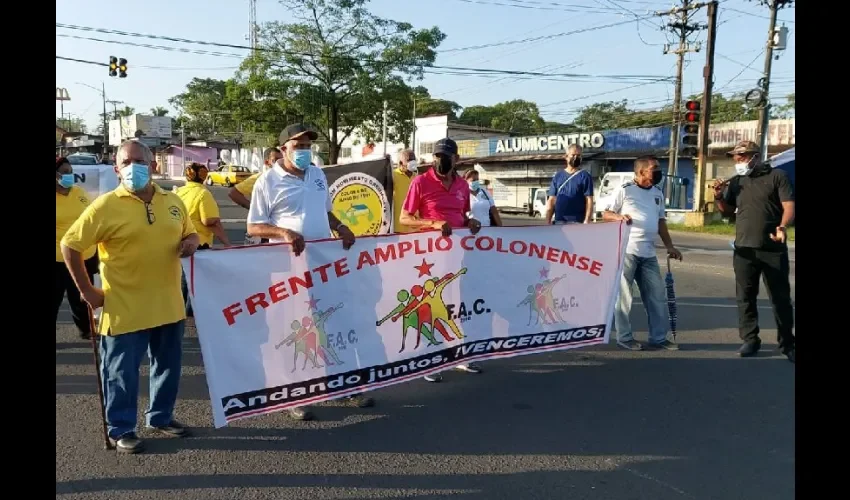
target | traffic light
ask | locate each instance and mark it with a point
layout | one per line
(122, 68)
(690, 130)
(113, 66)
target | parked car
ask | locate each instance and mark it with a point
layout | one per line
(228, 175)
(82, 159)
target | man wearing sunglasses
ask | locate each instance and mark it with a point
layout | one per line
(141, 231)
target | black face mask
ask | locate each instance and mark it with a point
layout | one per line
(574, 162)
(656, 177)
(443, 164)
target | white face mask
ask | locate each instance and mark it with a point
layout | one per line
(412, 166)
(744, 168)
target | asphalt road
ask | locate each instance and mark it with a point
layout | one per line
(594, 423)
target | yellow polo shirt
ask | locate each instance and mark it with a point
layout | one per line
(201, 205)
(401, 183)
(69, 207)
(139, 260)
(247, 186)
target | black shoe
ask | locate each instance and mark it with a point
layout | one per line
(791, 354)
(434, 377)
(301, 413)
(360, 401)
(749, 349)
(665, 344)
(173, 429)
(631, 345)
(128, 443)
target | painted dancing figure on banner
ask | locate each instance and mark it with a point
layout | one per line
(531, 300)
(416, 319)
(325, 349)
(545, 301)
(305, 339)
(433, 297)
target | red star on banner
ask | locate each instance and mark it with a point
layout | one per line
(424, 268)
(312, 304)
(544, 273)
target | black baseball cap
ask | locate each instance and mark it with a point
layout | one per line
(445, 146)
(295, 131)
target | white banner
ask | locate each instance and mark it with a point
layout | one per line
(95, 179)
(288, 331)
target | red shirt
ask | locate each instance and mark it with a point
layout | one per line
(428, 196)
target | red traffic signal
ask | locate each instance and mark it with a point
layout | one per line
(692, 106)
(691, 117)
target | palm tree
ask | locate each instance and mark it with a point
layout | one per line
(159, 111)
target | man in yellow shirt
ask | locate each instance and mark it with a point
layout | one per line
(204, 214)
(402, 176)
(241, 193)
(141, 232)
(71, 200)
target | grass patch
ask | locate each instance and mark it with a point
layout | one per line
(718, 228)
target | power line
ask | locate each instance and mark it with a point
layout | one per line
(81, 61)
(545, 37)
(453, 70)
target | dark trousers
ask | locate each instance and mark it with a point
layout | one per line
(64, 284)
(750, 266)
(184, 285)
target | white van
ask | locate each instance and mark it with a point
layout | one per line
(610, 182)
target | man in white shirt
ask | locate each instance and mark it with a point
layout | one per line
(290, 204)
(641, 204)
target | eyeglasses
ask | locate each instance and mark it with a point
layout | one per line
(149, 213)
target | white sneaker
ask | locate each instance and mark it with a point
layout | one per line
(468, 368)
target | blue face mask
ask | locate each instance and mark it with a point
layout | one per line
(475, 185)
(66, 181)
(135, 176)
(302, 158)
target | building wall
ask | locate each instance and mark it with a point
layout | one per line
(174, 159)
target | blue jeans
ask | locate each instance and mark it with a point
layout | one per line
(120, 359)
(647, 273)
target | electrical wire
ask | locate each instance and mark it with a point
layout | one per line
(435, 69)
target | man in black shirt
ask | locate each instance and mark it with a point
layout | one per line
(764, 199)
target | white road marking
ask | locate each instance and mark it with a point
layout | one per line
(694, 304)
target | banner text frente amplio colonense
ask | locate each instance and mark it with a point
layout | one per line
(287, 331)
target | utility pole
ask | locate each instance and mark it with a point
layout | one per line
(705, 115)
(105, 123)
(413, 122)
(772, 42)
(679, 24)
(385, 128)
(114, 108)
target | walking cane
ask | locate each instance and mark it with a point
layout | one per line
(107, 444)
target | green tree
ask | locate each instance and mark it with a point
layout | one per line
(72, 124)
(785, 110)
(159, 111)
(126, 111)
(517, 116)
(201, 108)
(340, 57)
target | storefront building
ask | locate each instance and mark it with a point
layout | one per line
(515, 166)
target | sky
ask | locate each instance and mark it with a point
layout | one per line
(631, 48)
